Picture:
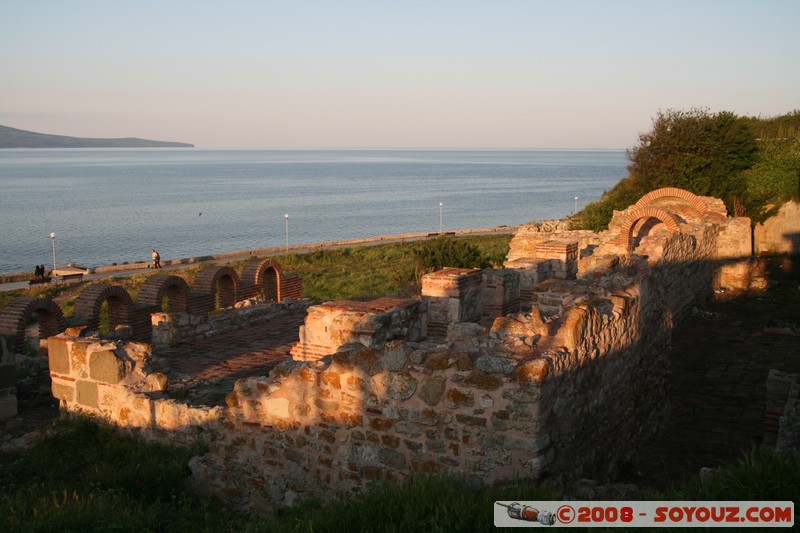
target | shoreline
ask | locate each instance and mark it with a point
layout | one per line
(19, 277)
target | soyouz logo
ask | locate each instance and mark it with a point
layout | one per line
(644, 514)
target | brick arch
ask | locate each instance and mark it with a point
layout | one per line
(14, 317)
(266, 275)
(156, 287)
(224, 278)
(626, 230)
(673, 192)
(91, 299)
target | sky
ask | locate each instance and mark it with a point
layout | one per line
(391, 74)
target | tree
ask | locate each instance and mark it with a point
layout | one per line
(697, 151)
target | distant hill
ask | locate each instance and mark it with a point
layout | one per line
(14, 138)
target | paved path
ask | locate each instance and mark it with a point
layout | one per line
(720, 361)
(207, 370)
(139, 268)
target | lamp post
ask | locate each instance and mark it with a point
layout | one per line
(53, 238)
(286, 219)
(576, 206)
(441, 206)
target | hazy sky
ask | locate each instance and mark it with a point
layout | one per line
(339, 73)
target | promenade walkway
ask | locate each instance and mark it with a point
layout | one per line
(138, 268)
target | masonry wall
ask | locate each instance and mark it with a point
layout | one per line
(781, 233)
(113, 380)
(180, 328)
(574, 393)
(8, 380)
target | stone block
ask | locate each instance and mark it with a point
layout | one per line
(86, 393)
(62, 391)
(58, 354)
(105, 366)
(431, 390)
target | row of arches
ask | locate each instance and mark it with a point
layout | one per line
(668, 207)
(215, 287)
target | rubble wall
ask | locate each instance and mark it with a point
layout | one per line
(571, 394)
(8, 380)
(171, 329)
(112, 380)
(781, 233)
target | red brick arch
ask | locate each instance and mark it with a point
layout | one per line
(91, 299)
(156, 287)
(14, 317)
(626, 230)
(266, 275)
(673, 192)
(222, 278)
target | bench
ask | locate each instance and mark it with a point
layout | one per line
(71, 277)
(38, 281)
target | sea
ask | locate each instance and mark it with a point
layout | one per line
(116, 205)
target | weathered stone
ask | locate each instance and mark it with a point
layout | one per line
(534, 371)
(63, 392)
(464, 330)
(369, 360)
(457, 397)
(530, 444)
(158, 381)
(482, 380)
(522, 395)
(58, 355)
(495, 365)
(431, 390)
(396, 354)
(86, 393)
(105, 366)
(391, 458)
(425, 417)
(401, 385)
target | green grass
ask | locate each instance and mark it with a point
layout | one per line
(84, 476)
(357, 273)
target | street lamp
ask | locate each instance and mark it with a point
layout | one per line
(286, 219)
(576, 206)
(441, 205)
(53, 238)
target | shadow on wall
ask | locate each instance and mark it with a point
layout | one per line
(794, 242)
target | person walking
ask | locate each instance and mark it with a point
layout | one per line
(156, 259)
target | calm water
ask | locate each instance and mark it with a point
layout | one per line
(116, 205)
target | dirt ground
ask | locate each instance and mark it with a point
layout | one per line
(720, 360)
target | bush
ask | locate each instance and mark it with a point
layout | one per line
(448, 252)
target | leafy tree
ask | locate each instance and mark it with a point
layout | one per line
(774, 178)
(697, 151)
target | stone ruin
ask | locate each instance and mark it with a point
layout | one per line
(554, 365)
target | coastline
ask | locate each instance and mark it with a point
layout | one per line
(19, 279)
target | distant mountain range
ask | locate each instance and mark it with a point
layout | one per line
(14, 138)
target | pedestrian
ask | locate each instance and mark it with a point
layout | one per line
(156, 259)
(37, 273)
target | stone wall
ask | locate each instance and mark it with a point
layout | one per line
(782, 412)
(781, 233)
(114, 381)
(180, 328)
(452, 295)
(334, 324)
(574, 393)
(8, 380)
